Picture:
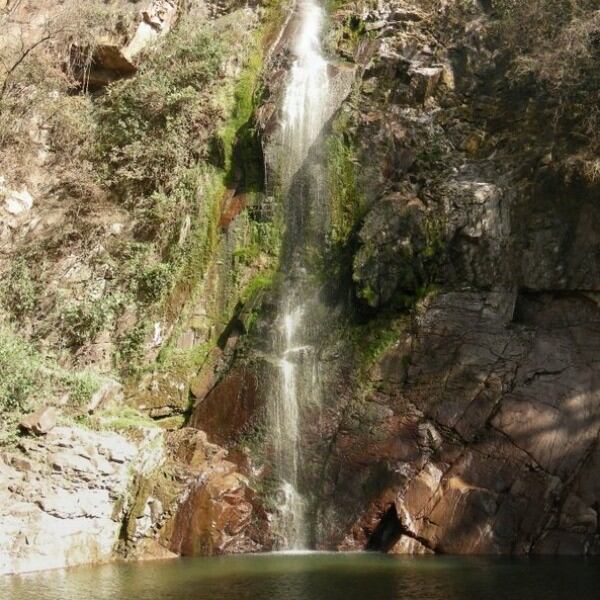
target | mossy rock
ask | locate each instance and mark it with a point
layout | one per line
(162, 395)
(400, 247)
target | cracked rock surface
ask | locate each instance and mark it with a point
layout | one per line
(476, 430)
(63, 497)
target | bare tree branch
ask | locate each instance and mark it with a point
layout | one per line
(21, 58)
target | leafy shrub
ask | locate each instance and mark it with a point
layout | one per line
(82, 322)
(18, 290)
(552, 38)
(552, 49)
(81, 386)
(19, 365)
(346, 199)
(33, 82)
(27, 378)
(155, 281)
(131, 348)
(151, 126)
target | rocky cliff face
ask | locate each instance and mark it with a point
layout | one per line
(79, 331)
(461, 409)
(458, 260)
(477, 428)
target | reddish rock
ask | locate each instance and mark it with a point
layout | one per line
(219, 513)
(205, 380)
(216, 516)
(487, 443)
(230, 407)
(232, 207)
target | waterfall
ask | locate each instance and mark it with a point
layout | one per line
(298, 387)
(307, 90)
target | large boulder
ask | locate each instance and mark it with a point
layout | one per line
(64, 496)
(112, 58)
(219, 513)
(39, 422)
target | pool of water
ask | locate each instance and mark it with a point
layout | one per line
(316, 577)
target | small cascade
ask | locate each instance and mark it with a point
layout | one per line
(298, 388)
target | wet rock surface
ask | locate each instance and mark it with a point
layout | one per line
(475, 429)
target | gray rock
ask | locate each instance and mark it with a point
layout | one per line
(41, 421)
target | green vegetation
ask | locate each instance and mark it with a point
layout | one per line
(261, 281)
(154, 282)
(183, 362)
(346, 201)
(346, 31)
(82, 322)
(345, 197)
(551, 51)
(551, 39)
(131, 349)
(119, 418)
(163, 146)
(29, 379)
(82, 386)
(19, 365)
(237, 163)
(237, 137)
(18, 291)
(368, 342)
(263, 239)
(150, 127)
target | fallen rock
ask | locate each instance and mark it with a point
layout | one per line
(39, 422)
(108, 391)
(162, 394)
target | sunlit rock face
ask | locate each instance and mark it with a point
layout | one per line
(477, 428)
(489, 443)
(77, 497)
(474, 427)
(64, 497)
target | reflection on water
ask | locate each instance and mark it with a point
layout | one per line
(316, 577)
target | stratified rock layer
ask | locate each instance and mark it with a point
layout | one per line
(64, 496)
(488, 444)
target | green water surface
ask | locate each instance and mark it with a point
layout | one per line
(316, 577)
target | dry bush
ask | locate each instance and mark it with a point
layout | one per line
(553, 52)
(34, 73)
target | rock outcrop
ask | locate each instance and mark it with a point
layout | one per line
(458, 277)
(490, 434)
(75, 496)
(64, 496)
(219, 513)
(478, 426)
(473, 427)
(39, 422)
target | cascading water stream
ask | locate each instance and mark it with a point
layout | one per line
(304, 113)
(307, 90)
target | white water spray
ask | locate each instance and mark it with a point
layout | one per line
(307, 90)
(304, 114)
